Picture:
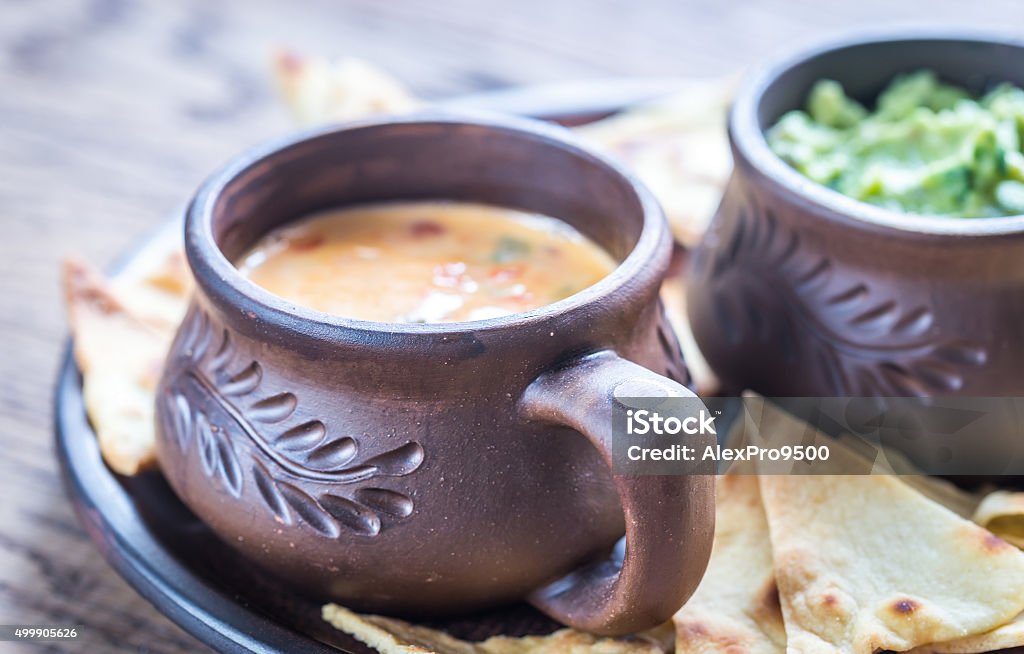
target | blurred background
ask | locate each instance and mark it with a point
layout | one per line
(112, 112)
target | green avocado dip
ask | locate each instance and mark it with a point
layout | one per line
(926, 148)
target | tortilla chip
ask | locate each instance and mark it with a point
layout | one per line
(393, 636)
(318, 91)
(120, 356)
(866, 563)
(679, 148)
(1002, 513)
(736, 606)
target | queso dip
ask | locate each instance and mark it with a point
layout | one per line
(425, 262)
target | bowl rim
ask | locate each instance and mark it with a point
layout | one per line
(748, 139)
(221, 281)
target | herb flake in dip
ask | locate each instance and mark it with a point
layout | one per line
(926, 148)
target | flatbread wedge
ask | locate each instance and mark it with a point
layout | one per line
(393, 636)
(159, 295)
(1002, 513)
(1004, 637)
(736, 607)
(678, 146)
(120, 356)
(769, 425)
(866, 563)
(319, 91)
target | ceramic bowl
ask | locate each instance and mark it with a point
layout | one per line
(797, 290)
(433, 468)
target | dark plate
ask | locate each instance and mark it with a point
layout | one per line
(176, 563)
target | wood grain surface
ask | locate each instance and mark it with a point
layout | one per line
(111, 112)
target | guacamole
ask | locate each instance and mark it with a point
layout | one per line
(927, 147)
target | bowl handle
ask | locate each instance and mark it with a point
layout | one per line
(669, 519)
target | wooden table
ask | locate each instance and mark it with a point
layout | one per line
(111, 112)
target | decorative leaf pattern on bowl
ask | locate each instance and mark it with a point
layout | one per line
(862, 341)
(300, 458)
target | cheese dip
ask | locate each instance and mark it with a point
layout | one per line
(425, 261)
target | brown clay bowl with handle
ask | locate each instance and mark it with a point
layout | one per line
(433, 468)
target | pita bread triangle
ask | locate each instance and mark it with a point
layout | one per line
(866, 563)
(736, 607)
